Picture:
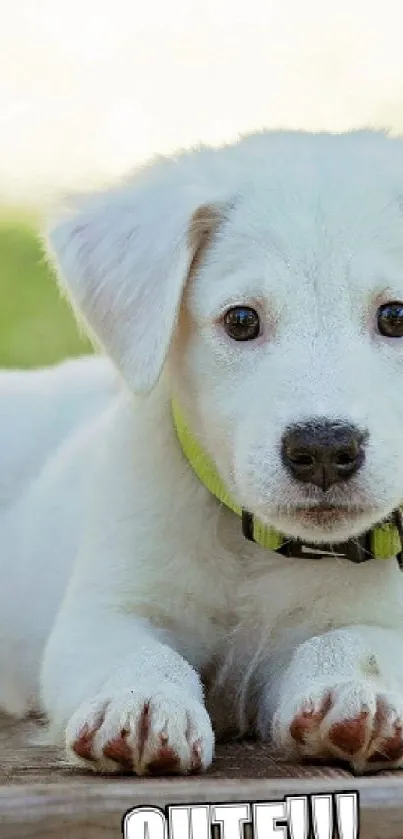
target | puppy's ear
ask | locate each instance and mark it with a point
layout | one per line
(123, 259)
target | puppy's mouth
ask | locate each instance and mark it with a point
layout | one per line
(326, 515)
(323, 519)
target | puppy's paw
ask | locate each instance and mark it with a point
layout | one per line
(350, 721)
(149, 732)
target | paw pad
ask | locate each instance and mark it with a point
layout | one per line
(119, 750)
(350, 736)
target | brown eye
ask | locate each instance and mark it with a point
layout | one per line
(242, 323)
(390, 320)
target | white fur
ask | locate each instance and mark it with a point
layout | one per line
(123, 580)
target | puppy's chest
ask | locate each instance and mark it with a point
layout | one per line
(195, 597)
(204, 599)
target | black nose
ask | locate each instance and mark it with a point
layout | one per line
(322, 452)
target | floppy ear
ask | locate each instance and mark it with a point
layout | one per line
(123, 259)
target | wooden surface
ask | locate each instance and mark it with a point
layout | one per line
(39, 798)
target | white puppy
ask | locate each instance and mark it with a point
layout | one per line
(260, 287)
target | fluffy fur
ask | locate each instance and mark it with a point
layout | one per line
(125, 585)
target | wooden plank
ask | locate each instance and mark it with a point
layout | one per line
(42, 799)
(87, 811)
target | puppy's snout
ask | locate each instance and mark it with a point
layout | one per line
(323, 453)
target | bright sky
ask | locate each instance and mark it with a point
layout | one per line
(89, 88)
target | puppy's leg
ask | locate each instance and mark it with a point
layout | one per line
(122, 697)
(342, 697)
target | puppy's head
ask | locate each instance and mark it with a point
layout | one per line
(267, 279)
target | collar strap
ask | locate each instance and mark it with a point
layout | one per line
(381, 542)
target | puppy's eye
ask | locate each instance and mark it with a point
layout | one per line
(242, 323)
(390, 320)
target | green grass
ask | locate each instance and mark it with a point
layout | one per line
(36, 325)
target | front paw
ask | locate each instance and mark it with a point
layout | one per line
(154, 731)
(350, 721)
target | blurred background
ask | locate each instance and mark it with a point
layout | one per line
(91, 88)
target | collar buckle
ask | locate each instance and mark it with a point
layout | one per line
(357, 550)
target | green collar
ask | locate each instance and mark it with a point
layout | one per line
(382, 542)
